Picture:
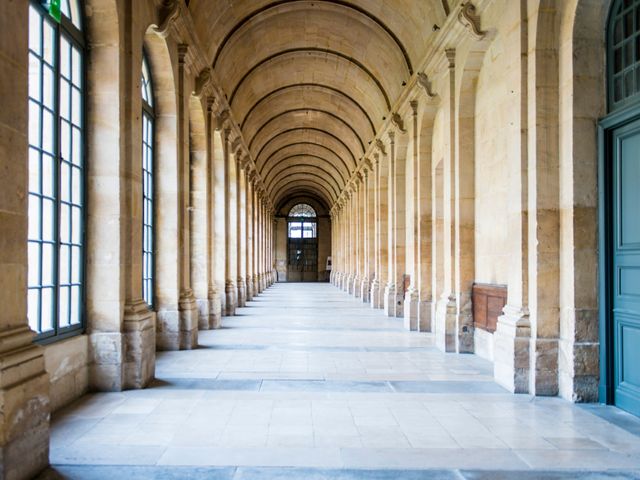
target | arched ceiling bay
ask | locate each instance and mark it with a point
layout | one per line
(311, 81)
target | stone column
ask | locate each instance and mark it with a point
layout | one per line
(365, 287)
(274, 233)
(412, 295)
(240, 243)
(256, 238)
(348, 283)
(230, 285)
(249, 233)
(24, 384)
(390, 288)
(188, 307)
(213, 295)
(181, 333)
(376, 286)
(446, 308)
(356, 239)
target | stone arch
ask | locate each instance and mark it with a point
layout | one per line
(161, 64)
(425, 124)
(582, 102)
(399, 175)
(464, 186)
(107, 157)
(218, 208)
(199, 201)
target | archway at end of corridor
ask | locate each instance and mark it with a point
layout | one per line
(302, 240)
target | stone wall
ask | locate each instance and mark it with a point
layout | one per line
(66, 362)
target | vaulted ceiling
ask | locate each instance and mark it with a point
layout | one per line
(311, 81)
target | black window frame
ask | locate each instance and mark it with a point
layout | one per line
(148, 248)
(75, 37)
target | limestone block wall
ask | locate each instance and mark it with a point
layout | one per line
(67, 363)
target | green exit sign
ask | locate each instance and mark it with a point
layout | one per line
(54, 9)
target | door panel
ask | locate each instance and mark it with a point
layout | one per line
(626, 266)
(303, 260)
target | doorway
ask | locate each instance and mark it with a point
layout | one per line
(619, 185)
(302, 244)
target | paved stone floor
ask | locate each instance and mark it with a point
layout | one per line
(307, 382)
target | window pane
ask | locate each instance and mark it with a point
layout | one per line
(34, 264)
(33, 305)
(47, 309)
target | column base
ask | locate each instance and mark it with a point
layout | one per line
(178, 329)
(411, 310)
(445, 324)
(242, 292)
(390, 299)
(511, 350)
(544, 366)
(357, 284)
(230, 298)
(256, 285)
(425, 316)
(377, 294)
(365, 290)
(249, 287)
(348, 284)
(24, 400)
(215, 309)
(464, 322)
(139, 331)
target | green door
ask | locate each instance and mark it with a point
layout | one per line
(625, 266)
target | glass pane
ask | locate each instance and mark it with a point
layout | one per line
(34, 264)
(35, 30)
(48, 43)
(47, 264)
(47, 131)
(76, 265)
(34, 217)
(47, 309)
(34, 76)
(34, 171)
(63, 261)
(64, 223)
(47, 219)
(76, 192)
(77, 68)
(33, 305)
(76, 226)
(76, 107)
(47, 175)
(65, 58)
(65, 140)
(65, 180)
(34, 124)
(75, 305)
(64, 306)
(77, 146)
(65, 100)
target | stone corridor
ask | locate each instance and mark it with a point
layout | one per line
(307, 382)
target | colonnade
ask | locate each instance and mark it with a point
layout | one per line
(249, 249)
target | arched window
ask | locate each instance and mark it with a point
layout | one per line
(148, 220)
(623, 53)
(56, 169)
(302, 221)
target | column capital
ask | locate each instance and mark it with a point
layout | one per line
(380, 145)
(183, 50)
(414, 107)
